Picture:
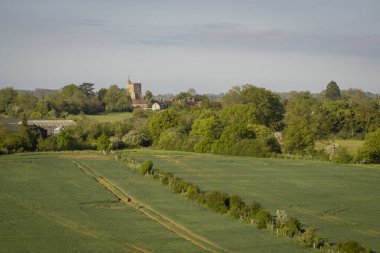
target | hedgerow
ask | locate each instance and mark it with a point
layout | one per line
(235, 207)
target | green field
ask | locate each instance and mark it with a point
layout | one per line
(352, 146)
(81, 202)
(342, 201)
(111, 117)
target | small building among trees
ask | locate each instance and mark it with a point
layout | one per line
(50, 126)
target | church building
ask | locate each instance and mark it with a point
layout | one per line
(134, 91)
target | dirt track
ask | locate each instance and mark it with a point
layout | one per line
(152, 214)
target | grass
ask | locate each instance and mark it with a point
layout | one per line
(49, 204)
(111, 117)
(351, 145)
(342, 201)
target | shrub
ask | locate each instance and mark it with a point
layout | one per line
(164, 177)
(135, 139)
(192, 192)
(217, 201)
(262, 219)
(146, 167)
(292, 226)
(341, 155)
(170, 139)
(103, 142)
(66, 142)
(370, 151)
(351, 247)
(236, 207)
(48, 144)
(177, 184)
(309, 238)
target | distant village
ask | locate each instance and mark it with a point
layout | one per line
(134, 91)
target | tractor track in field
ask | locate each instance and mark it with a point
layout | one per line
(167, 223)
(72, 225)
(171, 160)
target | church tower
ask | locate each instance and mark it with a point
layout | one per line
(134, 90)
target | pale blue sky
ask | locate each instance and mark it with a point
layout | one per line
(172, 46)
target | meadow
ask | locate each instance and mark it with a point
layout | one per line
(352, 146)
(111, 117)
(341, 201)
(84, 202)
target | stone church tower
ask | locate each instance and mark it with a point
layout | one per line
(134, 90)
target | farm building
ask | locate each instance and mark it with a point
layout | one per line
(51, 126)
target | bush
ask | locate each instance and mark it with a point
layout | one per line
(351, 247)
(370, 151)
(192, 192)
(164, 177)
(292, 226)
(177, 185)
(309, 238)
(236, 207)
(218, 201)
(66, 142)
(341, 155)
(134, 139)
(262, 219)
(146, 167)
(103, 142)
(170, 139)
(48, 144)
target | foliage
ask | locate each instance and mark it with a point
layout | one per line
(291, 227)
(205, 130)
(170, 139)
(103, 142)
(161, 121)
(48, 144)
(116, 99)
(242, 114)
(135, 138)
(332, 91)
(146, 167)
(262, 218)
(217, 201)
(65, 141)
(7, 97)
(370, 151)
(351, 247)
(304, 123)
(267, 106)
(309, 237)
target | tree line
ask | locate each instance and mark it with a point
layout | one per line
(247, 120)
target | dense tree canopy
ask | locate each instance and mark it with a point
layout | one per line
(268, 108)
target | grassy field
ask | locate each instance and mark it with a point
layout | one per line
(342, 201)
(111, 117)
(81, 202)
(351, 145)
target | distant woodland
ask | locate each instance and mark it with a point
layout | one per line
(247, 121)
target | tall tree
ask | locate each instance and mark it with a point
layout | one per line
(87, 89)
(332, 91)
(267, 105)
(304, 121)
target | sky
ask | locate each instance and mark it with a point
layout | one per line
(174, 45)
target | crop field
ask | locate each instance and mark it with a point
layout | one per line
(341, 201)
(83, 202)
(111, 117)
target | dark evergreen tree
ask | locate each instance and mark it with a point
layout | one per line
(332, 91)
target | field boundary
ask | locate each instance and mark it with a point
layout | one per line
(149, 212)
